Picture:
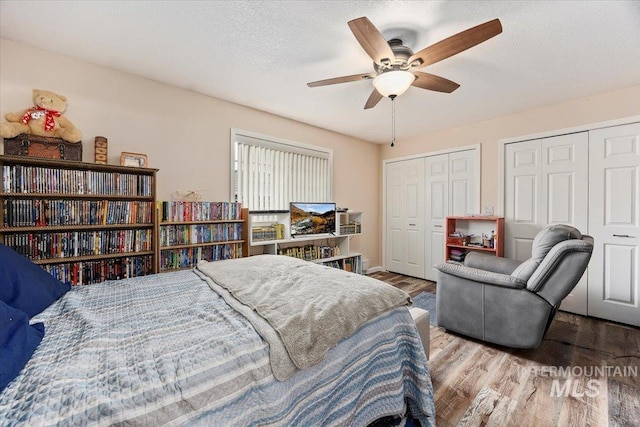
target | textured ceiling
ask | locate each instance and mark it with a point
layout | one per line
(262, 53)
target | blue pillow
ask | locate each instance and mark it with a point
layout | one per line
(25, 285)
(18, 341)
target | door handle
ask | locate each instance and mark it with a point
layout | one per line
(623, 235)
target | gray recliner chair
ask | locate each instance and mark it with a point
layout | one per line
(510, 302)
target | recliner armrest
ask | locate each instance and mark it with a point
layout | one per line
(491, 263)
(481, 276)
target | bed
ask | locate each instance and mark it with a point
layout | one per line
(167, 349)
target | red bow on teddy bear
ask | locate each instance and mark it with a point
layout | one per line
(36, 113)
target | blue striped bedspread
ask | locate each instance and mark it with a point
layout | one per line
(167, 350)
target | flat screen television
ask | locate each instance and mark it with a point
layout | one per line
(312, 218)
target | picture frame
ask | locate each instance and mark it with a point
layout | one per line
(135, 160)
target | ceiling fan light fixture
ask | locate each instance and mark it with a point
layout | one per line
(393, 83)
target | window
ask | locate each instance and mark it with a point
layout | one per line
(268, 173)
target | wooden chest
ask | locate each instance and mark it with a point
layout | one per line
(42, 146)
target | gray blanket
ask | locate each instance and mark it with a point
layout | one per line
(300, 308)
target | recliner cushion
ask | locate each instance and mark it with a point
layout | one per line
(524, 271)
(544, 241)
(551, 236)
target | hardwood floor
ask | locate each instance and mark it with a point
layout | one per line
(585, 373)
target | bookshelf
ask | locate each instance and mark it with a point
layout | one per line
(475, 226)
(189, 231)
(82, 222)
(269, 233)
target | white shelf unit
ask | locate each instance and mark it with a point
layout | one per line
(270, 233)
(349, 223)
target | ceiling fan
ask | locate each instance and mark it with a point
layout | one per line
(396, 66)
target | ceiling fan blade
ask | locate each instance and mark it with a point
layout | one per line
(456, 43)
(433, 82)
(374, 98)
(343, 79)
(371, 40)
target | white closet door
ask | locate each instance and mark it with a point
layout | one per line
(614, 223)
(437, 209)
(565, 181)
(395, 217)
(452, 188)
(546, 183)
(522, 196)
(405, 217)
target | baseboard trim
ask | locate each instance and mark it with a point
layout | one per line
(374, 269)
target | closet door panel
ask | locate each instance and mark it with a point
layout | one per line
(414, 219)
(405, 217)
(394, 250)
(614, 223)
(565, 181)
(546, 183)
(437, 209)
(395, 218)
(522, 187)
(525, 202)
(464, 183)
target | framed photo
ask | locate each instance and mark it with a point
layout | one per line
(135, 160)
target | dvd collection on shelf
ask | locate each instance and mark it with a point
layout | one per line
(263, 233)
(190, 231)
(37, 179)
(353, 264)
(175, 234)
(82, 222)
(183, 211)
(43, 212)
(173, 259)
(352, 227)
(90, 272)
(310, 252)
(65, 244)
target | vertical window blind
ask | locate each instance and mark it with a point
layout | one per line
(268, 174)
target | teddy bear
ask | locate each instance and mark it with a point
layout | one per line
(45, 119)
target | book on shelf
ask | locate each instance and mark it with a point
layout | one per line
(39, 246)
(48, 212)
(351, 264)
(266, 232)
(183, 211)
(56, 180)
(176, 234)
(310, 252)
(90, 272)
(171, 259)
(334, 264)
(352, 227)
